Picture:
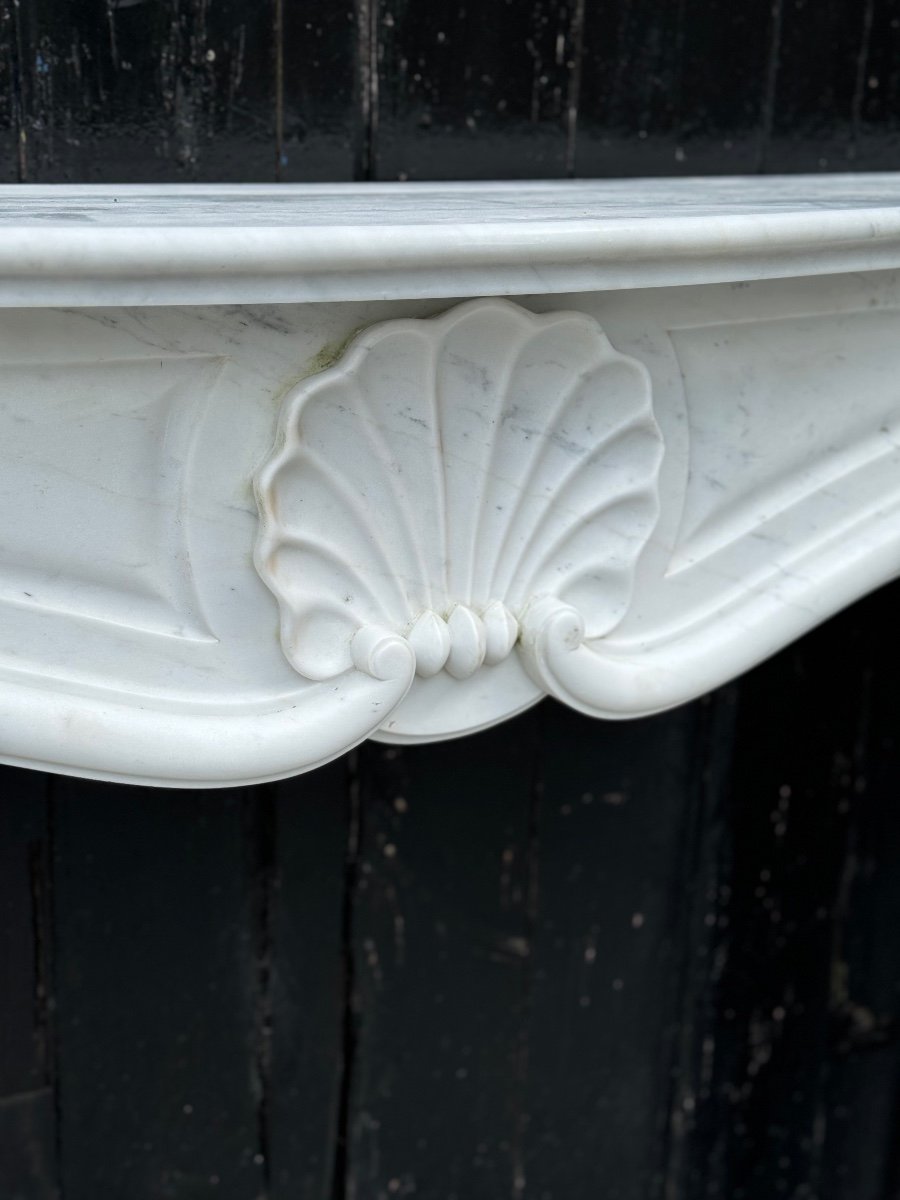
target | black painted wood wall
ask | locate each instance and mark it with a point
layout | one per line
(168, 90)
(558, 960)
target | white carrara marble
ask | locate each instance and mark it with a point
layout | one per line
(285, 468)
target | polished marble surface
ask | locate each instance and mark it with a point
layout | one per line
(152, 633)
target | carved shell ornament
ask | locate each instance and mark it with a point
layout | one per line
(463, 499)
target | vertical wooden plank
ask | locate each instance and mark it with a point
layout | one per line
(798, 717)
(631, 848)
(859, 1112)
(672, 89)
(365, 89)
(179, 90)
(441, 931)
(858, 1119)
(803, 1100)
(229, 76)
(87, 75)
(157, 994)
(320, 112)
(307, 996)
(13, 156)
(875, 109)
(770, 79)
(467, 94)
(28, 1161)
(811, 126)
(725, 88)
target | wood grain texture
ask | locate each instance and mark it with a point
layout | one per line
(440, 933)
(303, 980)
(28, 1097)
(631, 845)
(652, 961)
(675, 89)
(463, 94)
(802, 1068)
(817, 115)
(529, 958)
(174, 90)
(317, 113)
(157, 994)
(653, 958)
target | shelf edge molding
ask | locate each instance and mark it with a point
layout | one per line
(241, 539)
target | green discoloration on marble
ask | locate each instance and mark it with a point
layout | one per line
(329, 354)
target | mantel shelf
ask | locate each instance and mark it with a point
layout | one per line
(215, 244)
(284, 468)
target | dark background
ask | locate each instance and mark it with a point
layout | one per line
(298, 90)
(559, 960)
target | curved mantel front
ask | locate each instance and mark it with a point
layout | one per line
(283, 468)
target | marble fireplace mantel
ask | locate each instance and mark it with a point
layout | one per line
(284, 468)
